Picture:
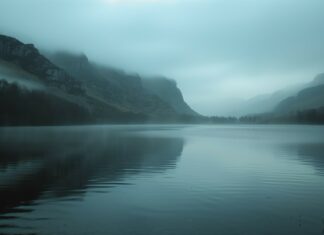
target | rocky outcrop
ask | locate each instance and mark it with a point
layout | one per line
(167, 90)
(28, 58)
(113, 86)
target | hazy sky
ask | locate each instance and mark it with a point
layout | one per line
(217, 50)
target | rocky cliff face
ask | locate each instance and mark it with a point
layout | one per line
(87, 92)
(124, 91)
(28, 58)
(167, 90)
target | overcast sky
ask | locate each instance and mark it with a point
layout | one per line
(218, 51)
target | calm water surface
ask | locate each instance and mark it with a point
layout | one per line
(161, 180)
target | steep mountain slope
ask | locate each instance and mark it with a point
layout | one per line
(25, 106)
(28, 58)
(168, 91)
(67, 84)
(13, 73)
(31, 85)
(130, 92)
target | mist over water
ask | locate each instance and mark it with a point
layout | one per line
(162, 179)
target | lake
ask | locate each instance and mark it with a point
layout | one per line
(162, 179)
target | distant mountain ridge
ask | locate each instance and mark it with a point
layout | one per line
(305, 106)
(270, 102)
(308, 98)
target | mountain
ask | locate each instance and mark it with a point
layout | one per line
(269, 102)
(318, 80)
(306, 106)
(167, 90)
(115, 87)
(309, 98)
(28, 58)
(69, 89)
(263, 103)
(266, 103)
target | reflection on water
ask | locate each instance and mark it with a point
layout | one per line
(145, 180)
(310, 153)
(68, 162)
